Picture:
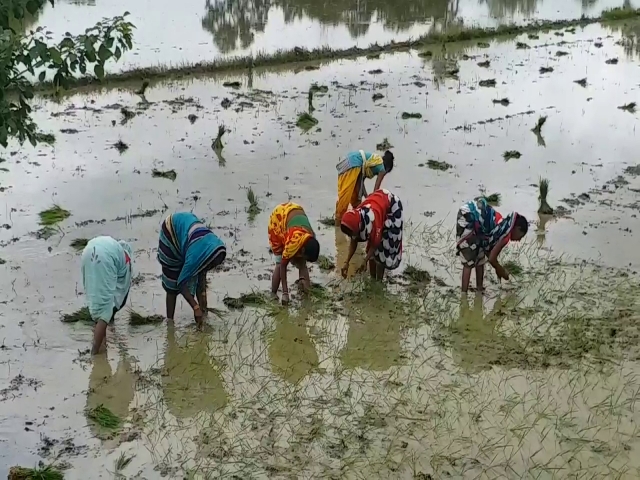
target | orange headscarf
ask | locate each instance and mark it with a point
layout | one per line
(351, 220)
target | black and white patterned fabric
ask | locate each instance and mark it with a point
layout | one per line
(389, 252)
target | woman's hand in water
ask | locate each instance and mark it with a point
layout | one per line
(362, 268)
(198, 315)
(344, 270)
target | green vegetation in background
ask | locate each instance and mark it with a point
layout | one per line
(34, 54)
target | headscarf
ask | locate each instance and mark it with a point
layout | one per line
(351, 219)
(295, 239)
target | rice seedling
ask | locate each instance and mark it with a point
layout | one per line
(79, 243)
(546, 69)
(509, 154)
(310, 106)
(628, 107)
(484, 64)
(502, 101)
(48, 138)
(376, 71)
(143, 88)
(522, 46)
(407, 115)
(217, 142)
(377, 96)
(137, 319)
(538, 126)
(170, 174)
(192, 118)
(254, 208)
(126, 115)
(81, 315)
(315, 88)
(495, 199)
(104, 417)
(384, 145)
(438, 165)
(489, 82)
(561, 53)
(306, 121)
(252, 299)
(325, 263)
(327, 221)
(582, 82)
(45, 233)
(513, 267)
(40, 472)
(416, 275)
(611, 61)
(53, 215)
(122, 462)
(533, 36)
(543, 187)
(234, 84)
(121, 146)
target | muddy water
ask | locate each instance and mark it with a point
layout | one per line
(440, 390)
(196, 30)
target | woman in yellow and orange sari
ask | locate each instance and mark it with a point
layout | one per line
(352, 171)
(292, 240)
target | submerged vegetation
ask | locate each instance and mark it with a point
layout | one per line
(136, 318)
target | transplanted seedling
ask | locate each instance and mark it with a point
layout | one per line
(104, 417)
(484, 64)
(513, 267)
(253, 209)
(325, 263)
(79, 243)
(306, 121)
(136, 318)
(170, 174)
(126, 115)
(611, 61)
(122, 462)
(48, 138)
(192, 118)
(543, 186)
(384, 145)
(546, 69)
(522, 46)
(315, 88)
(217, 142)
(537, 129)
(407, 115)
(416, 275)
(53, 215)
(120, 146)
(502, 101)
(438, 165)
(628, 107)
(81, 315)
(40, 472)
(509, 154)
(490, 82)
(143, 88)
(582, 82)
(561, 53)
(328, 221)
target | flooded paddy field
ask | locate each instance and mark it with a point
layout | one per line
(538, 378)
(200, 30)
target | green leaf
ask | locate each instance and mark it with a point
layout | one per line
(99, 71)
(42, 76)
(109, 43)
(83, 67)
(67, 43)
(33, 6)
(118, 53)
(104, 53)
(55, 56)
(91, 56)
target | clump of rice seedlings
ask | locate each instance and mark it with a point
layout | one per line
(543, 186)
(328, 221)
(48, 138)
(2, 261)
(79, 243)
(628, 107)
(495, 199)
(104, 417)
(416, 275)
(40, 472)
(522, 46)
(384, 145)
(546, 69)
(122, 462)
(254, 207)
(126, 115)
(377, 96)
(315, 88)
(509, 154)
(170, 174)
(234, 84)
(252, 299)
(310, 107)
(489, 82)
(561, 53)
(483, 45)
(538, 127)
(582, 82)
(53, 215)
(325, 263)
(192, 118)
(136, 318)
(121, 146)
(375, 71)
(217, 142)
(81, 315)
(513, 268)
(484, 64)
(225, 103)
(611, 61)
(407, 115)
(502, 101)
(533, 36)
(426, 54)
(45, 233)
(306, 121)
(597, 44)
(143, 88)
(437, 165)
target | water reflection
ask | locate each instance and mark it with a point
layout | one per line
(293, 356)
(191, 381)
(113, 390)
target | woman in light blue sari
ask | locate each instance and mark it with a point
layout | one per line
(106, 277)
(187, 251)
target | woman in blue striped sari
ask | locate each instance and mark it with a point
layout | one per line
(187, 251)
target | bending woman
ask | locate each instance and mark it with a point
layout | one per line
(187, 251)
(106, 277)
(292, 240)
(351, 174)
(377, 221)
(481, 234)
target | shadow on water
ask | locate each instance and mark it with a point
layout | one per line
(191, 381)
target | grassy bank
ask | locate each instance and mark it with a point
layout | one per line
(299, 55)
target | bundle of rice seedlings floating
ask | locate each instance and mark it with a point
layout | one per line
(217, 142)
(538, 127)
(306, 121)
(136, 318)
(416, 275)
(121, 146)
(543, 186)
(253, 208)
(628, 107)
(104, 417)
(328, 221)
(512, 267)
(41, 472)
(495, 199)
(53, 215)
(252, 299)
(79, 243)
(170, 174)
(81, 315)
